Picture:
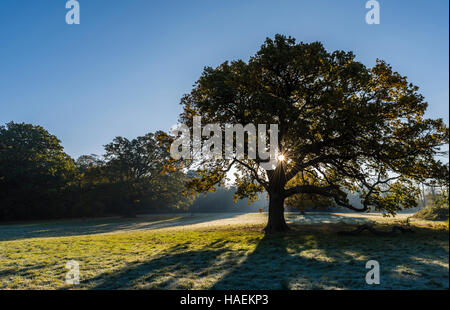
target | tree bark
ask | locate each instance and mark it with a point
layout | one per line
(276, 222)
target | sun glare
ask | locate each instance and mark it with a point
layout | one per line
(281, 158)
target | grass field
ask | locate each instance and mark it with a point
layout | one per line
(221, 251)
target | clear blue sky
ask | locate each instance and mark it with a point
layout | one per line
(123, 70)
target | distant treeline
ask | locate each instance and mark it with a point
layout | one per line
(38, 180)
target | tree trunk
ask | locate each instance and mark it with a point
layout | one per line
(276, 222)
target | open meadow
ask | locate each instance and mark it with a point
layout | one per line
(223, 251)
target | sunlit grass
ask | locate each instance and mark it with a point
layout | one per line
(232, 257)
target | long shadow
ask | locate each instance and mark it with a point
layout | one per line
(330, 262)
(275, 264)
(170, 271)
(22, 272)
(98, 226)
(298, 260)
(261, 269)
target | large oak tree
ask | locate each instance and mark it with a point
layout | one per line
(343, 127)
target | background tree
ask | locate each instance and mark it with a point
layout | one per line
(39, 181)
(34, 173)
(94, 195)
(348, 127)
(138, 165)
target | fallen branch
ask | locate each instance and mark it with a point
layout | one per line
(361, 228)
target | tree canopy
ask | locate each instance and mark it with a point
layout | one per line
(140, 165)
(38, 180)
(343, 127)
(34, 172)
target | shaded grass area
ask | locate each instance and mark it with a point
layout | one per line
(313, 256)
(42, 229)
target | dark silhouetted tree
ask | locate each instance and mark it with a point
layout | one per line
(343, 127)
(140, 167)
(34, 173)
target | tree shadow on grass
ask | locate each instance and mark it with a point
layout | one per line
(20, 272)
(178, 269)
(99, 226)
(261, 269)
(310, 257)
(323, 260)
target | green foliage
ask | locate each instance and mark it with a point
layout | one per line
(141, 166)
(38, 180)
(135, 176)
(34, 173)
(307, 201)
(437, 208)
(351, 128)
(433, 213)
